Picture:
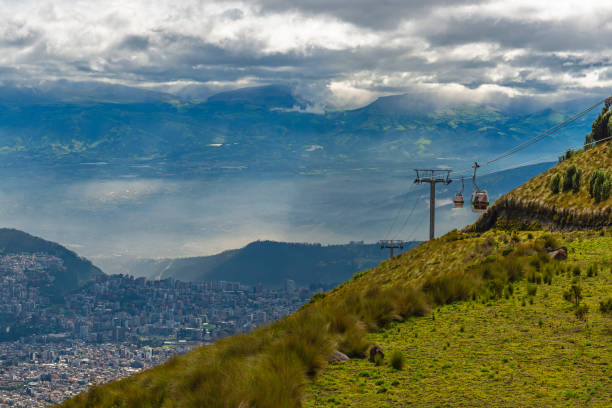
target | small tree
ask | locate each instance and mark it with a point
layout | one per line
(568, 179)
(577, 181)
(589, 142)
(600, 128)
(600, 185)
(555, 184)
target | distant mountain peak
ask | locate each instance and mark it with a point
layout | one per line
(270, 96)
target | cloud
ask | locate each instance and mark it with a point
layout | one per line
(342, 53)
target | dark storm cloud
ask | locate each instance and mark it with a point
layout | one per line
(380, 15)
(135, 42)
(508, 32)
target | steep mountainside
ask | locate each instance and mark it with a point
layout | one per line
(469, 319)
(269, 263)
(68, 270)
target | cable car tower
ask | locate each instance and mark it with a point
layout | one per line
(391, 244)
(432, 177)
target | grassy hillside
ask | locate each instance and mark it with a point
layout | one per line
(575, 207)
(482, 318)
(524, 349)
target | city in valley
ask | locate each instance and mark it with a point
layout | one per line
(114, 326)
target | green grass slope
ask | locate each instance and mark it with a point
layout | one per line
(527, 349)
(481, 318)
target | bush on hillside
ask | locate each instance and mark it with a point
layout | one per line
(572, 179)
(569, 153)
(589, 142)
(573, 294)
(555, 184)
(516, 224)
(600, 185)
(600, 129)
(581, 312)
(605, 306)
(397, 360)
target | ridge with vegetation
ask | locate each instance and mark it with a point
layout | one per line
(575, 194)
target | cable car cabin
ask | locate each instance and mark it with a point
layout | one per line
(480, 201)
(458, 200)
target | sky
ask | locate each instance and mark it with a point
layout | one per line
(340, 53)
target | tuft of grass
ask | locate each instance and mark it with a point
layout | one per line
(581, 311)
(397, 360)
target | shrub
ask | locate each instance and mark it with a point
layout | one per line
(451, 287)
(600, 128)
(532, 290)
(569, 153)
(572, 179)
(592, 271)
(573, 294)
(397, 360)
(550, 241)
(577, 181)
(316, 297)
(581, 312)
(555, 184)
(354, 343)
(605, 306)
(589, 141)
(600, 185)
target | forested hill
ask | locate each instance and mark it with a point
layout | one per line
(72, 272)
(270, 263)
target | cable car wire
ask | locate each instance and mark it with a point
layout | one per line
(546, 133)
(537, 138)
(414, 205)
(503, 155)
(397, 213)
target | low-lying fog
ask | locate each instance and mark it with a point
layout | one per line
(111, 219)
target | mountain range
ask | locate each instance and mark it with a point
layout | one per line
(265, 128)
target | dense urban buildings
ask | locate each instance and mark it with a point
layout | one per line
(114, 326)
